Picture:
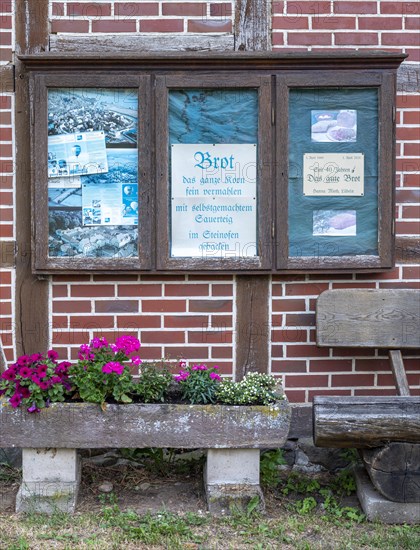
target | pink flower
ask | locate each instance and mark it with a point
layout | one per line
(183, 375)
(62, 367)
(127, 344)
(52, 354)
(182, 364)
(36, 379)
(55, 380)
(113, 366)
(23, 360)
(84, 348)
(15, 400)
(24, 392)
(199, 367)
(9, 374)
(214, 376)
(42, 371)
(35, 357)
(44, 385)
(98, 343)
(136, 360)
(25, 372)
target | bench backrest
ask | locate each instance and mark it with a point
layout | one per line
(368, 318)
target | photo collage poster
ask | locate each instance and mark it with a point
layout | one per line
(92, 172)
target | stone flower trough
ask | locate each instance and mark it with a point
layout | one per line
(232, 435)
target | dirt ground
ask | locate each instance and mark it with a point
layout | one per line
(174, 487)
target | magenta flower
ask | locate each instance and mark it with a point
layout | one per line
(214, 376)
(44, 385)
(9, 374)
(24, 392)
(182, 364)
(36, 380)
(97, 343)
(62, 367)
(183, 375)
(15, 400)
(23, 360)
(113, 366)
(35, 357)
(84, 348)
(127, 344)
(25, 372)
(199, 367)
(52, 354)
(55, 380)
(42, 371)
(136, 360)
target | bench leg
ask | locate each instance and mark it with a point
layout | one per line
(232, 479)
(50, 481)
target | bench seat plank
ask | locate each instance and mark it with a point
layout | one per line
(363, 318)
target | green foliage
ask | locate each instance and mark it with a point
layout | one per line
(153, 383)
(305, 506)
(269, 467)
(254, 389)
(325, 496)
(151, 529)
(297, 483)
(344, 482)
(100, 373)
(333, 508)
(198, 383)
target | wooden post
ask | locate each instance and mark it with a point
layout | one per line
(252, 32)
(251, 25)
(31, 298)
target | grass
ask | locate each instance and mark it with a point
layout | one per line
(114, 528)
(303, 512)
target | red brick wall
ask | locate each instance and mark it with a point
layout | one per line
(303, 24)
(6, 183)
(194, 316)
(174, 316)
(157, 16)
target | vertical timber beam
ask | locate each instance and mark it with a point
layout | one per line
(252, 324)
(252, 25)
(252, 32)
(31, 297)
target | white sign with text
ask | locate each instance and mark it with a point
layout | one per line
(214, 200)
(336, 174)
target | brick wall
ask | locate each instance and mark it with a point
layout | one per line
(176, 316)
(139, 16)
(303, 24)
(6, 182)
(194, 316)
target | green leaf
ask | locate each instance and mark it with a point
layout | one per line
(125, 399)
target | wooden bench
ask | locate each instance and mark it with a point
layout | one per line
(385, 429)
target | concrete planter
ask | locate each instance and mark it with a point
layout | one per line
(233, 436)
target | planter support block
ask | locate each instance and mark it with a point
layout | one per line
(232, 479)
(50, 481)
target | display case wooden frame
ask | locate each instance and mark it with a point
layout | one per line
(275, 75)
(40, 221)
(263, 260)
(385, 86)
